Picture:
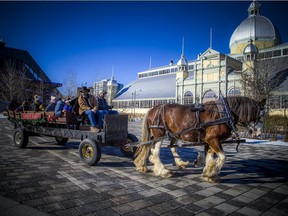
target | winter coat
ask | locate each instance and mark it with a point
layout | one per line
(88, 104)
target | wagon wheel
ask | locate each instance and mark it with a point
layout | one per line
(90, 151)
(129, 151)
(21, 138)
(61, 140)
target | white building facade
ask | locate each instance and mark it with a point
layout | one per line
(201, 80)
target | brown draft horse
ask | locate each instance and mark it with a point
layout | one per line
(177, 118)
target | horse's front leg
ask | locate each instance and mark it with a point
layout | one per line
(213, 166)
(178, 161)
(158, 168)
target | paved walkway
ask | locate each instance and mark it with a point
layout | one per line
(48, 179)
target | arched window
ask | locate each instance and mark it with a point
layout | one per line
(209, 96)
(188, 98)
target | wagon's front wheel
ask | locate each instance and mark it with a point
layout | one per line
(130, 150)
(21, 138)
(90, 151)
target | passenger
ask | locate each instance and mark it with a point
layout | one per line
(67, 107)
(59, 107)
(70, 117)
(88, 105)
(52, 104)
(104, 108)
(37, 104)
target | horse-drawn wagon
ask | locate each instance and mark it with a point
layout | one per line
(114, 132)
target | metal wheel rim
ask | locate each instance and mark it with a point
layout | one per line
(87, 151)
(128, 149)
(18, 138)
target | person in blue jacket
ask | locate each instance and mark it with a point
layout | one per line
(59, 107)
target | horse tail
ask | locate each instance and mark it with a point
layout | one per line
(145, 134)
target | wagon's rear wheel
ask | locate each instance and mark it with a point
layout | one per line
(61, 140)
(129, 151)
(90, 151)
(21, 138)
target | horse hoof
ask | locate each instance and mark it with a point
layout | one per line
(142, 169)
(167, 174)
(212, 179)
(183, 164)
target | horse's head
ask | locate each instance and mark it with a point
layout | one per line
(248, 113)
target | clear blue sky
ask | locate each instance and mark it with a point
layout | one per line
(89, 37)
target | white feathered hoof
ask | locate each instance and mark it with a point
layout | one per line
(183, 164)
(212, 179)
(164, 173)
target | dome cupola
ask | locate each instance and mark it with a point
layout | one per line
(182, 61)
(250, 48)
(256, 27)
(254, 8)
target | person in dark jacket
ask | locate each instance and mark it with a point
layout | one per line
(104, 108)
(37, 104)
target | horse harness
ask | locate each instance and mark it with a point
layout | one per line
(197, 109)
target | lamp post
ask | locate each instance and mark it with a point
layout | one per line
(133, 104)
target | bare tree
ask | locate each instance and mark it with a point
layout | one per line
(14, 81)
(69, 88)
(261, 76)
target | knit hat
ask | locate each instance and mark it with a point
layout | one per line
(53, 99)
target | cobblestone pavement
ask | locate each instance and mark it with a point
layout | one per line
(51, 179)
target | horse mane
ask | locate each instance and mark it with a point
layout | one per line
(245, 108)
(212, 109)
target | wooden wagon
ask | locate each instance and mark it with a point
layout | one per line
(114, 132)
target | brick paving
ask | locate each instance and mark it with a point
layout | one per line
(53, 180)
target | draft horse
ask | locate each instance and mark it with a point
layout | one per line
(180, 120)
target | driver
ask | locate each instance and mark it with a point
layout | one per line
(88, 105)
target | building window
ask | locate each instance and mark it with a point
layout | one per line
(188, 98)
(190, 67)
(277, 53)
(145, 103)
(209, 96)
(158, 102)
(268, 54)
(210, 76)
(171, 101)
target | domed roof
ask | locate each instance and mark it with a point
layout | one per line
(250, 48)
(255, 27)
(182, 61)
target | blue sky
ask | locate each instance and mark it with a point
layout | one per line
(90, 37)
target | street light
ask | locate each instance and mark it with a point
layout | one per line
(133, 104)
